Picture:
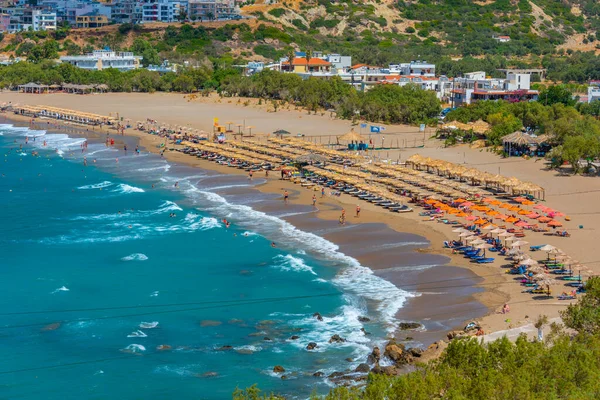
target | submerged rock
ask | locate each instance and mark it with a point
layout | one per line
(365, 332)
(318, 316)
(311, 346)
(318, 374)
(295, 337)
(51, 327)
(208, 322)
(364, 319)
(224, 348)
(278, 369)
(267, 339)
(210, 374)
(349, 359)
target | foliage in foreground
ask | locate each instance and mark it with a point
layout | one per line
(563, 367)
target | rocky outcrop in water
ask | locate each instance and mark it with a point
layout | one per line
(337, 339)
(311, 346)
(318, 316)
(278, 369)
(405, 326)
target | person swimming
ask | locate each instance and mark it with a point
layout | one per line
(273, 244)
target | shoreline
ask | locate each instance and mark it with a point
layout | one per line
(498, 288)
(415, 308)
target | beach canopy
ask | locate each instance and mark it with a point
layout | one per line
(352, 136)
(547, 247)
(281, 132)
(311, 157)
(519, 138)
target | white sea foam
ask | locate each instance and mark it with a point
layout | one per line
(135, 257)
(149, 325)
(100, 185)
(352, 277)
(134, 348)
(290, 263)
(249, 347)
(154, 294)
(165, 168)
(124, 188)
(137, 333)
(61, 289)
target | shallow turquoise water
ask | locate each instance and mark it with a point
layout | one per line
(75, 238)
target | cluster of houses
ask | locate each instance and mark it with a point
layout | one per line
(20, 15)
(457, 91)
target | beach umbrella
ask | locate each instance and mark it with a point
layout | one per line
(537, 269)
(554, 224)
(519, 243)
(484, 246)
(478, 242)
(529, 262)
(459, 230)
(547, 247)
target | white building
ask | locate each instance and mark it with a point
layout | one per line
(477, 86)
(161, 10)
(210, 9)
(26, 18)
(102, 59)
(502, 39)
(593, 91)
(413, 68)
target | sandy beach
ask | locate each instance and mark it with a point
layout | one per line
(573, 195)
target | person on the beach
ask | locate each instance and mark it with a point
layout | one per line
(117, 159)
(314, 200)
(505, 309)
(285, 196)
(125, 148)
(266, 173)
(282, 174)
(84, 162)
(344, 213)
(250, 174)
(323, 192)
(342, 220)
(357, 211)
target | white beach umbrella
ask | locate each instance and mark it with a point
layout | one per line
(488, 227)
(529, 262)
(484, 246)
(547, 247)
(498, 230)
(519, 243)
(459, 230)
(478, 242)
(465, 234)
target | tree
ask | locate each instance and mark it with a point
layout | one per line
(291, 57)
(557, 94)
(584, 316)
(210, 15)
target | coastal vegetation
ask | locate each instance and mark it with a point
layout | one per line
(563, 366)
(573, 130)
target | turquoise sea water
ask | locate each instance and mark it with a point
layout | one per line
(96, 276)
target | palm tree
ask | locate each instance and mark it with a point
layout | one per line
(291, 56)
(307, 56)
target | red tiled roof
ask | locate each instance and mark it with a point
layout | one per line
(364, 65)
(312, 61)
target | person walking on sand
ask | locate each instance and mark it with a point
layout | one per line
(323, 192)
(344, 214)
(357, 211)
(250, 175)
(285, 196)
(314, 200)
